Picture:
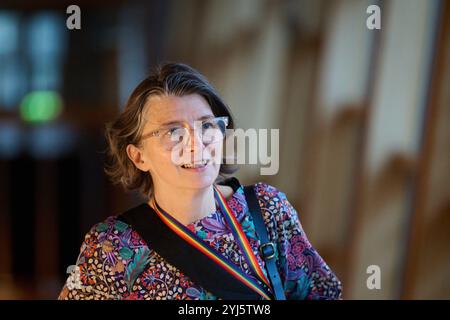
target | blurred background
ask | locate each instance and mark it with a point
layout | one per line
(363, 118)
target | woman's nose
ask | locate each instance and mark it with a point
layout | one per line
(195, 141)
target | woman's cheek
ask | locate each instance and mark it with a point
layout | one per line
(214, 153)
(160, 161)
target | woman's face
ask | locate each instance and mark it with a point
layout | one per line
(163, 162)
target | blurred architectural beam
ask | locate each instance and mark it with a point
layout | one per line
(394, 131)
(427, 262)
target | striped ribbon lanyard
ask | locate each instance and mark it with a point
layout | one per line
(216, 256)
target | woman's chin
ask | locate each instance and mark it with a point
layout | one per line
(199, 178)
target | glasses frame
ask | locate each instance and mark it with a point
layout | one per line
(157, 132)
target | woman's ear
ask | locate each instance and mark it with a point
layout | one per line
(137, 157)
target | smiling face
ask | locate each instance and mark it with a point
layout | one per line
(154, 156)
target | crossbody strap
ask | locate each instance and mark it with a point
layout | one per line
(198, 267)
(267, 248)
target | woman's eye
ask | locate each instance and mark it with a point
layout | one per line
(208, 125)
(175, 134)
(174, 130)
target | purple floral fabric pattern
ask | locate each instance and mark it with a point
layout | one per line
(116, 263)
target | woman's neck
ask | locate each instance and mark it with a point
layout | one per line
(186, 205)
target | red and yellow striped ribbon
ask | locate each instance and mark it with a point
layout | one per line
(217, 257)
(240, 237)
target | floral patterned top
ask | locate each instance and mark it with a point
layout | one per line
(116, 263)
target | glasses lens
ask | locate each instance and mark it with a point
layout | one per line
(173, 136)
(213, 130)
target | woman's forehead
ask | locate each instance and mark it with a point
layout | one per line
(167, 108)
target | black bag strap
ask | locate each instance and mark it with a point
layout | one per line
(198, 267)
(267, 248)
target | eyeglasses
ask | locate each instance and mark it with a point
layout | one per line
(212, 130)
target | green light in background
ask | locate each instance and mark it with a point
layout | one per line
(41, 106)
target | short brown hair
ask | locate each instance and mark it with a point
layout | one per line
(167, 79)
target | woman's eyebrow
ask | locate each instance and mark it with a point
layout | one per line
(171, 122)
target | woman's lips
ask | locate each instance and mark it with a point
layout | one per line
(196, 169)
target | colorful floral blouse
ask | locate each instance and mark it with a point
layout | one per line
(116, 263)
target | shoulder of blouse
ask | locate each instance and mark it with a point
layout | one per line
(279, 215)
(113, 234)
(114, 244)
(273, 198)
(265, 189)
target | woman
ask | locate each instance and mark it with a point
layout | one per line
(194, 237)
